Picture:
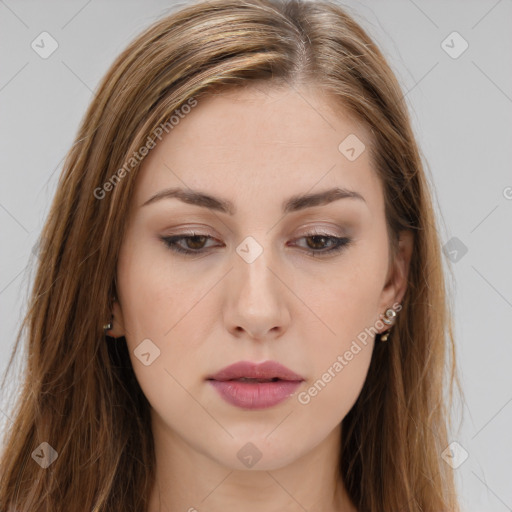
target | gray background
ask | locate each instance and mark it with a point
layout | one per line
(461, 110)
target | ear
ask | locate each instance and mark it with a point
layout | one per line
(396, 280)
(118, 321)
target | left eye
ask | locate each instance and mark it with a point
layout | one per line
(319, 239)
(195, 243)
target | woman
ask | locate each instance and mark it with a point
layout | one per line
(240, 300)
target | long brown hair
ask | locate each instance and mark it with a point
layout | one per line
(80, 394)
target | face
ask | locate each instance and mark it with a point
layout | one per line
(255, 273)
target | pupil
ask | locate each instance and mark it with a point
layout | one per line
(319, 240)
(196, 239)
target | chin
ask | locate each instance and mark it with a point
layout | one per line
(258, 453)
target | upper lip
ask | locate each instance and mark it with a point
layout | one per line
(250, 370)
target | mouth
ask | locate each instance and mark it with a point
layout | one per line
(249, 385)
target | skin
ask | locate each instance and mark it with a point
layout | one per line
(255, 148)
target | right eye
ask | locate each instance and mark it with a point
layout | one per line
(194, 242)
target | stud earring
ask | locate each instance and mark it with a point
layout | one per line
(108, 325)
(389, 316)
(389, 319)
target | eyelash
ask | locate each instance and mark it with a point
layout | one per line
(340, 243)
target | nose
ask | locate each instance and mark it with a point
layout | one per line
(257, 306)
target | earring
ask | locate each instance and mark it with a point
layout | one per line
(388, 319)
(108, 325)
(389, 316)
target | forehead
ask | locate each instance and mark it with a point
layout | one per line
(260, 143)
(258, 117)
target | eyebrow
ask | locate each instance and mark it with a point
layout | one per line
(293, 204)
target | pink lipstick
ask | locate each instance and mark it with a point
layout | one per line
(255, 386)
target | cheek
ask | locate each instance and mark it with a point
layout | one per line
(347, 307)
(339, 377)
(154, 296)
(346, 300)
(165, 320)
(339, 369)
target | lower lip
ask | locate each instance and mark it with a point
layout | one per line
(255, 395)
